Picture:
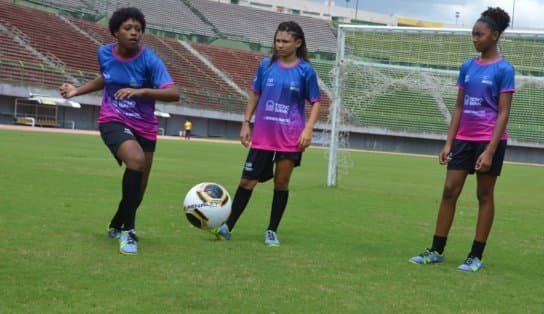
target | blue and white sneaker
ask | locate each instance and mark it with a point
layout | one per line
(471, 264)
(271, 238)
(113, 233)
(128, 243)
(427, 257)
(222, 233)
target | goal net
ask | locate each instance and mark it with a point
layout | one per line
(400, 81)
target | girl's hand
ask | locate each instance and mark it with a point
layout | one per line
(483, 163)
(67, 90)
(444, 155)
(125, 93)
(245, 134)
(305, 139)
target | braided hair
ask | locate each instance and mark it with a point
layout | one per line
(296, 31)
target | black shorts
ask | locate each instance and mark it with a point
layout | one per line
(464, 154)
(115, 133)
(260, 163)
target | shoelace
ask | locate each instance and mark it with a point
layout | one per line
(427, 252)
(270, 235)
(469, 261)
(132, 238)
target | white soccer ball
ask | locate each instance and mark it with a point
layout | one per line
(207, 205)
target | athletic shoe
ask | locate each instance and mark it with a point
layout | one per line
(471, 264)
(128, 243)
(428, 257)
(271, 238)
(222, 233)
(113, 233)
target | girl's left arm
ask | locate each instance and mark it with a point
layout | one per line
(505, 103)
(305, 138)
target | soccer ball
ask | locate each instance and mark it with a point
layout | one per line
(207, 205)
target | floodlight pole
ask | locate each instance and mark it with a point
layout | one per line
(356, 8)
(513, 12)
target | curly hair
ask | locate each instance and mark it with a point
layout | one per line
(496, 18)
(122, 15)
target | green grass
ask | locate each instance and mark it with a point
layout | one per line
(344, 249)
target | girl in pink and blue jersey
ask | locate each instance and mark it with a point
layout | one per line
(477, 136)
(132, 79)
(281, 87)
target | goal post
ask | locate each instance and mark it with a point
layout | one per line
(400, 81)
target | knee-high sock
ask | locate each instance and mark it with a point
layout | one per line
(125, 216)
(241, 198)
(279, 203)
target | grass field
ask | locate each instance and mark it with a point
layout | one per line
(344, 249)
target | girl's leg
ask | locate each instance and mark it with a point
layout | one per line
(486, 213)
(239, 203)
(284, 169)
(132, 155)
(455, 180)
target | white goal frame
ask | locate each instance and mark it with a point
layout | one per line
(336, 126)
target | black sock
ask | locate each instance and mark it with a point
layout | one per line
(279, 203)
(125, 217)
(439, 243)
(477, 249)
(241, 198)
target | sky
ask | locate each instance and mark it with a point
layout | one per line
(528, 14)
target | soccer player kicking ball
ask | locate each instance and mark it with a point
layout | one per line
(281, 87)
(477, 137)
(132, 78)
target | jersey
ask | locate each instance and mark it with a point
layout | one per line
(283, 92)
(144, 70)
(482, 84)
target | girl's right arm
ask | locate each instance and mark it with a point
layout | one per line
(454, 126)
(68, 90)
(245, 132)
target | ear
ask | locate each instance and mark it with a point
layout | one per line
(299, 43)
(496, 35)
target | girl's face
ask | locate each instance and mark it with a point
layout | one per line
(483, 37)
(286, 45)
(129, 34)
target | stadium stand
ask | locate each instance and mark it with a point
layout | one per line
(240, 65)
(239, 22)
(169, 15)
(18, 64)
(51, 36)
(98, 32)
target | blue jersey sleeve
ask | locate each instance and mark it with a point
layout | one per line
(507, 81)
(312, 87)
(257, 80)
(159, 76)
(462, 73)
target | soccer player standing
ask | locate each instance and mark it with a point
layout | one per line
(477, 137)
(132, 79)
(282, 85)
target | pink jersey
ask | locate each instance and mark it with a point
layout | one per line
(283, 92)
(145, 70)
(482, 84)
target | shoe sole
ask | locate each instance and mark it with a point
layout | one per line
(218, 236)
(416, 263)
